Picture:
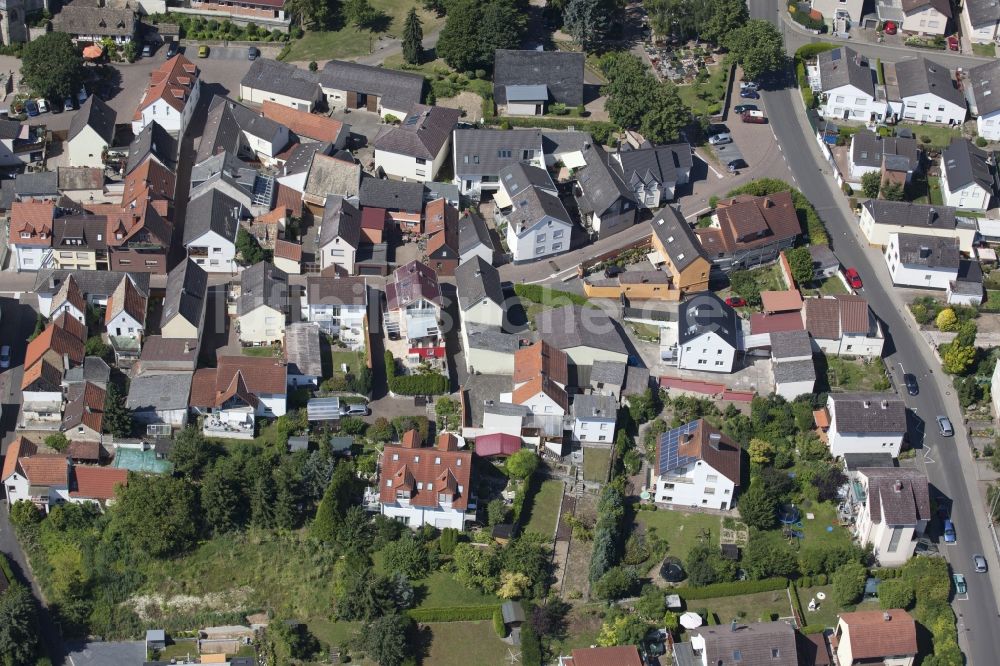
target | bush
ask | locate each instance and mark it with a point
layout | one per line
(617, 583)
(452, 614)
(896, 593)
(849, 583)
(731, 589)
(430, 383)
(548, 296)
(498, 624)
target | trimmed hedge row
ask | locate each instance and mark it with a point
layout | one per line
(5, 568)
(424, 384)
(453, 614)
(731, 589)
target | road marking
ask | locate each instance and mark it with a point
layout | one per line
(927, 454)
(553, 275)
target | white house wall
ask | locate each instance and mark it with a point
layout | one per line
(86, 148)
(257, 96)
(414, 516)
(221, 257)
(708, 353)
(928, 108)
(697, 485)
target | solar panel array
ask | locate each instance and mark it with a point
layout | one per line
(670, 458)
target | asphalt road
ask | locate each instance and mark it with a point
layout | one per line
(948, 461)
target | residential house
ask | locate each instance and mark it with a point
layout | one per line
(42, 479)
(213, 220)
(654, 172)
(586, 335)
(606, 202)
(83, 413)
(37, 186)
(696, 465)
(979, 84)
(413, 303)
(238, 391)
(756, 643)
(843, 325)
(262, 305)
(331, 175)
(621, 655)
(709, 334)
(307, 125)
(968, 176)
(186, 295)
(896, 158)
(594, 418)
(847, 84)
(373, 223)
(618, 380)
(825, 262)
(302, 352)
(402, 202)
(751, 231)
(927, 90)
(31, 234)
(125, 320)
(139, 234)
(96, 286)
(416, 148)
(339, 305)
(540, 394)
(69, 299)
(153, 142)
(91, 132)
(679, 250)
(159, 400)
(967, 287)
(480, 296)
(880, 218)
(442, 246)
(21, 144)
(150, 177)
(228, 173)
(874, 636)
(288, 256)
(387, 92)
(930, 262)
(171, 97)
(892, 510)
(83, 185)
(92, 23)
(339, 235)
(480, 155)
(925, 17)
(980, 19)
(489, 349)
(866, 423)
(541, 358)
(270, 80)
(242, 131)
(537, 223)
(474, 238)
(530, 82)
(792, 357)
(427, 485)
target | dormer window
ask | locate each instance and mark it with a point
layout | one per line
(388, 483)
(402, 494)
(430, 486)
(437, 460)
(444, 498)
(416, 459)
(25, 234)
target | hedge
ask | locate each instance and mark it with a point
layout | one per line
(452, 614)
(5, 568)
(812, 629)
(731, 589)
(805, 53)
(430, 383)
(600, 130)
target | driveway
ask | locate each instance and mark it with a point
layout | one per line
(107, 654)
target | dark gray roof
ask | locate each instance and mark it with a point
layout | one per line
(11, 129)
(676, 237)
(332, 290)
(856, 461)
(94, 369)
(985, 82)
(928, 251)
(512, 611)
(186, 294)
(95, 284)
(447, 191)
(970, 271)
(705, 312)
(599, 182)
(152, 140)
(302, 349)
(920, 76)
(484, 152)
(904, 214)
(391, 195)
(659, 164)
(472, 232)
(38, 184)
(575, 326)
(212, 211)
(96, 114)
(491, 338)
(159, 392)
(476, 280)
(224, 127)
(608, 372)
(302, 156)
(823, 257)
(422, 133)
(395, 89)
(897, 495)
(867, 149)
(636, 381)
(283, 79)
(79, 19)
(982, 12)
(80, 231)
(844, 66)
(591, 405)
(561, 72)
(340, 218)
(533, 205)
(965, 163)
(869, 412)
(756, 644)
(795, 371)
(517, 177)
(790, 344)
(564, 141)
(262, 284)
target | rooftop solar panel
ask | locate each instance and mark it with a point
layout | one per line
(670, 458)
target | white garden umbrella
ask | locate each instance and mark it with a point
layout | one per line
(690, 620)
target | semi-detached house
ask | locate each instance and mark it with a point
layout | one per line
(843, 325)
(262, 306)
(968, 176)
(527, 203)
(891, 511)
(339, 305)
(848, 87)
(170, 98)
(880, 218)
(866, 423)
(929, 93)
(982, 92)
(680, 251)
(980, 20)
(213, 220)
(339, 235)
(927, 262)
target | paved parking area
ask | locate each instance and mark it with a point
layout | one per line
(107, 654)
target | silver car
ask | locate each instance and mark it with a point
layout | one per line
(980, 563)
(944, 425)
(720, 139)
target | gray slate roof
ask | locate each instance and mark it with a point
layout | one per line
(186, 294)
(592, 405)
(159, 392)
(985, 82)
(518, 177)
(757, 644)
(212, 211)
(95, 284)
(823, 257)
(676, 237)
(94, 370)
(965, 163)
(391, 195)
(423, 133)
(79, 19)
(599, 181)
(97, 115)
(340, 218)
(928, 251)
(920, 75)
(657, 164)
(608, 372)
(869, 412)
(283, 79)
(561, 72)
(531, 206)
(491, 338)
(476, 280)
(574, 326)
(982, 12)
(795, 371)
(473, 232)
(11, 129)
(262, 284)
(227, 120)
(332, 290)
(867, 149)
(395, 89)
(302, 349)
(705, 312)
(897, 495)
(844, 66)
(484, 152)
(152, 140)
(302, 156)
(904, 214)
(790, 344)
(38, 184)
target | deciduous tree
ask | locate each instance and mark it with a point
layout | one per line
(946, 320)
(758, 47)
(849, 583)
(385, 639)
(801, 263)
(52, 67)
(158, 515)
(871, 183)
(957, 359)
(18, 626)
(522, 464)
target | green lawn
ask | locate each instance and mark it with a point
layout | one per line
(934, 191)
(984, 50)
(992, 302)
(463, 643)
(179, 648)
(762, 606)
(852, 375)
(706, 98)
(353, 359)
(645, 331)
(595, 464)
(263, 351)
(681, 529)
(940, 137)
(815, 530)
(442, 590)
(768, 278)
(333, 633)
(544, 509)
(350, 42)
(826, 613)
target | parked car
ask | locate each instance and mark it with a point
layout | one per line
(720, 139)
(952, 43)
(949, 532)
(735, 165)
(31, 108)
(945, 427)
(959, 580)
(749, 93)
(748, 85)
(890, 28)
(5, 356)
(69, 104)
(740, 109)
(754, 117)
(736, 302)
(354, 409)
(853, 278)
(252, 53)
(911, 384)
(613, 270)
(203, 51)
(172, 49)
(147, 50)
(979, 562)
(43, 105)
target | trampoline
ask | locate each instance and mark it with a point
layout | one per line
(789, 514)
(672, 571)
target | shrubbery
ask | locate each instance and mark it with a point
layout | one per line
(452, 614)
(430, 383)
(609, 532)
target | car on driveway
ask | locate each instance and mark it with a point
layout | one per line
(5, 356)
(252, 53)
(172, 50)
(749, 93)
(911, 384)
(959, 580)
(979, 562)
(754, 117)
(945, 427)
(740, 109)
(853, 278)
(202, 51)
(748, 85)
(736, 165)
(31, 108)
(720, 139)
(736, 302)
(43, 105)
(147, 50)
(949, 532)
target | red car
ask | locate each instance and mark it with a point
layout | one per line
(853, 278)
(890, 28)
(952, 43)
(735, 302)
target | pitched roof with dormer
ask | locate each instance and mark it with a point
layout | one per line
(172, 82)
(31, 223)
(426, 473)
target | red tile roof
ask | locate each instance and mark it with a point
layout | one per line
(20, 447)
(287, 250)
(621, 655)
(128, 298)
(426, 473)
(497, 444)
(210, 387)
(152, 176)
(540, 384)
(290, 199)
(872, 636)
(373, 218)
(541, 358)
(97, 482)
(69, 292)
(781, 301)
(44, 372)
(303, 123)
(90, 451)
(71, 325)
(34, 219)
(761, 322)
(45, 469)
(57, 339)
(748, 222)
(411, 439)
(172, 82)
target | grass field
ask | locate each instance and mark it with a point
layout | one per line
(350, 42)
(852, 375)
(595, 464)
(826, 614)
(985, 50)
(815, 530)
(264, 351)
(762, 606)
(992, 302)
(681, 529)
(545, 509)
(463, 643)
(713, 90)
(441, 590)
(940, 137)
(353, 360)
(828, 287)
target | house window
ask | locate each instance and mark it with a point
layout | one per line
(558, 233)
(420, 174)
(709, 491)
(897, 535)
(539, 250)
(528, 155)
(840, 98)
(556, 247)
(420, 160)
(504, 154)
(712, 478)
(540, 238)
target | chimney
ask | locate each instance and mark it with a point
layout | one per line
(868, 404)
(885, 404)
(886, 616)
(932, 218)
(732, 625)
(187, 347)
(65, 362)
(898, 486)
